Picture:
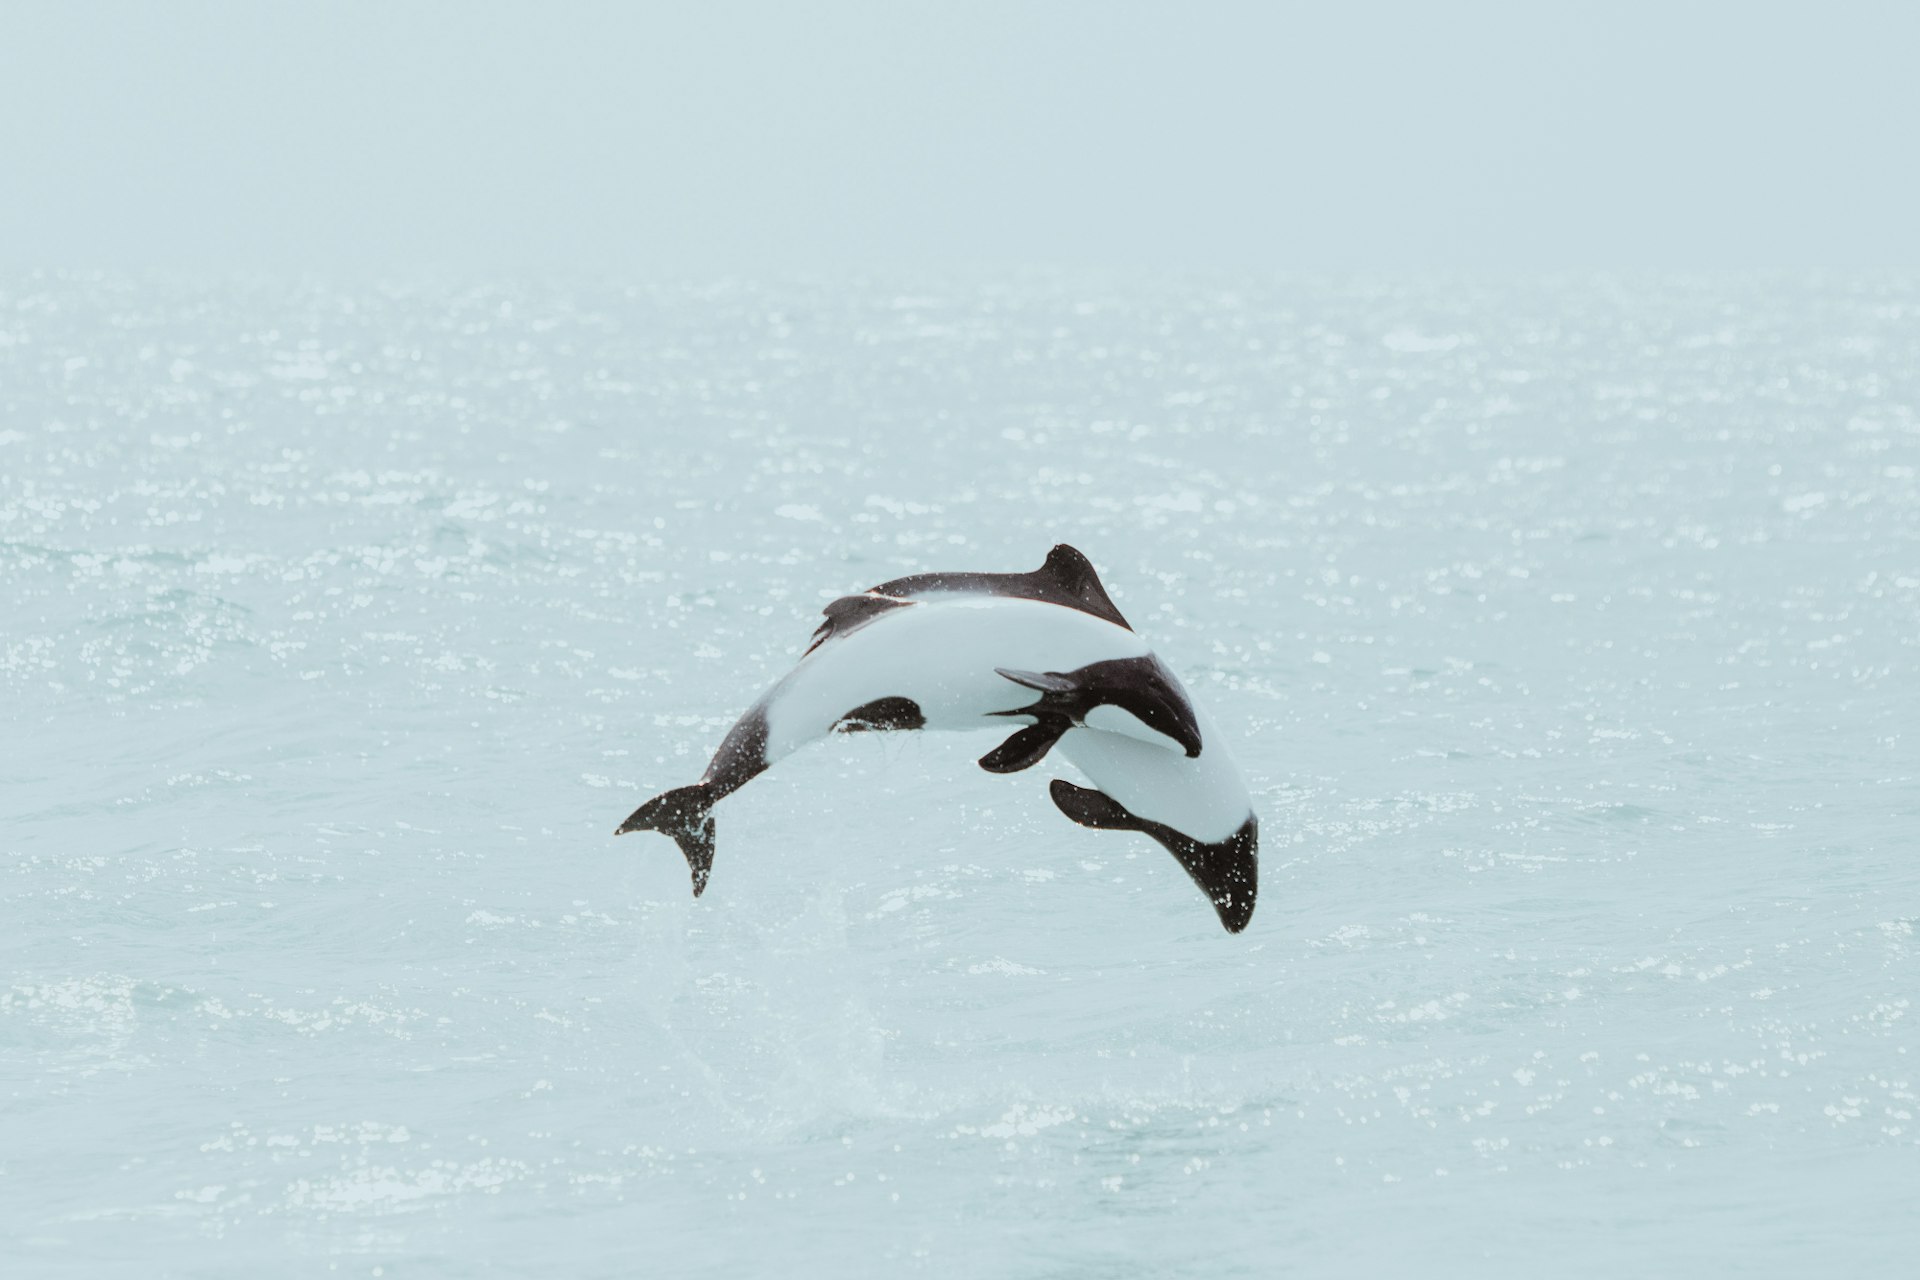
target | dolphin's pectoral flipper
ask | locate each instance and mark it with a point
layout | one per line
(686, 814)
(1050, 715)
(1227, 871)
(1026, 748)
(1091, 808)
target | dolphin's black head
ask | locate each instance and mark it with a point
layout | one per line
(1142, 687)
(1150, 694)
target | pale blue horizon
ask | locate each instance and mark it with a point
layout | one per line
(753, 137)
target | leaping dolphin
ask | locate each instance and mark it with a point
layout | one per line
(971, 650)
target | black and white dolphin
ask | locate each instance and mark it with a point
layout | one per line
(969, 650)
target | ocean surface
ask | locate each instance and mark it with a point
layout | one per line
(1567, 632)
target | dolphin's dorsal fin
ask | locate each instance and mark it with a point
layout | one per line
(1075, 575)
(1041, 681)
(1067, 579)
(849, 613)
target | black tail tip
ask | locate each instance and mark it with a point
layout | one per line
(685, 813)
(1227, 871)
(1236, 912)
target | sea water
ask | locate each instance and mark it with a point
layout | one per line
(1566, 631)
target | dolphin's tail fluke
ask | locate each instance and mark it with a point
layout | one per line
(686, 814)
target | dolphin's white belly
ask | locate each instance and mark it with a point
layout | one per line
(942, 654)
(1204, 797)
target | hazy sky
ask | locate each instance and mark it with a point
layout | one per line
(701, 137)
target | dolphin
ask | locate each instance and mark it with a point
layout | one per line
(1046, 650)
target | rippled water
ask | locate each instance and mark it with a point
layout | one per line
(1566, 631)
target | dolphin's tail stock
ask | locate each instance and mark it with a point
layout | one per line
(686, 814)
